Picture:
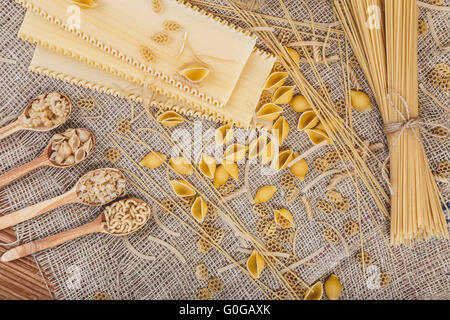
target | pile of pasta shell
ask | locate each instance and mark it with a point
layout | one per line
(71, 147)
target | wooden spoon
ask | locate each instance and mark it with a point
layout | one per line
(95, 226)
(35, 210)
(18, 126)
(42, 161)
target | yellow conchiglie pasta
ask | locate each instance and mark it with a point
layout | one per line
(231, 168)
(220, 176)
(224, 135)
(360, 101)
(195, 72)
(268, 153)
(300, 104)
(199, 209)
(255, 264)
(235, 153)
(153, 160)
(181, 165)
(207, 165)
(307, 120)
(280, 130)
(269, 112)
(315, 292)
(256, 147)
(283, 218)
(283, 160)
(170, 119)
(299, 169)
(182, 188)
(283, 95)
(264, 194)
(317, 136)
(333, 287)
(275, 80)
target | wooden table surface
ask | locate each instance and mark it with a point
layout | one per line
(21, 279)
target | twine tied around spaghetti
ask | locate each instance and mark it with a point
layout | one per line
(400, 127)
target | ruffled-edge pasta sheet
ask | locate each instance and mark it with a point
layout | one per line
(121, 27)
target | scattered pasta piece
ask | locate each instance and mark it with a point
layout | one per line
(300, 104)
(195, 73)
(172, 26)
(182, 188)
(201, 272)
(261, 210)
(100, 295)
(283, 160)
(112, 155)
(270, 229)
(332, 157)
(208, 228)
(212, 213)
(422, 27)
(123, 126)
(260, 225)
(255, 264)
(235, 153)
(153, 160)
(291, 278)
(228, 188)
(207, 166)
(325, 207)
(291, 194)
(187, 201)
(168, 206)
(224, 135)
(315, 292)
(287, 181)
(269, 112)
(440, 132)
(443, 169)
(264, 194)
(299, 169)
(218, 236)
(384, 279)
(275, 80)
(199, 209)
(215, 284)
(321, 165)
(86, 104)
(351, 228)
(343, 205)
(286, 236)
(273, 245)
(307, 120)
(203, 294)
(161, 38)
(256, 147)
(268, 153)
(221, 176)
(158, 6)
(360, 101)
(333, 287)
(333, 196)
(308, 206)
(284, 218)
(147, 54)
(170, 119)
(283, 95)
(341, 107)
(231, 168)
(330, 236)
(317, 136)
(363, 258)
(203, 246)
(325, 89)
(181, 165)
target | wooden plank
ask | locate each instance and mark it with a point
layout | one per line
(21, 279)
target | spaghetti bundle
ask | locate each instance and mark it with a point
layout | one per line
(387, 53)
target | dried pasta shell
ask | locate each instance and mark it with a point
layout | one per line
(255, 264)
(360, 101)
(224, 135)
(294, 55)
(300, 169)
(199, 209)
(284, 158)
(264, 194)
(256, 147)
(172, 26)
(170, 119)
(147, 54)
(235, 153)
(182, 188)
(315, 292)
(161, 38)
(307, 120)
(84, 4)
(280, 130)
(275, 80)
(283, 95)
(207, 166)
(333, 287)
(181, 165)
(317, 136)
(284, 218)
(268, 153)
(269, 112)
(153, 160)
(231, 168)
(300, 104)
(195, 73)
(220, 176)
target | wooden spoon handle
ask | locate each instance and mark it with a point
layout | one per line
(52, 241)
(35, 210)
(8, 130)
(15, 174)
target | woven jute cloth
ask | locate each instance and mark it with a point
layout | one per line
(100, 262)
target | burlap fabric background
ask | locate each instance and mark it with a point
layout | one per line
(103, 263)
